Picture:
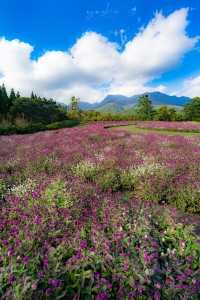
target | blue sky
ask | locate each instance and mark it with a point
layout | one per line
(46, 31)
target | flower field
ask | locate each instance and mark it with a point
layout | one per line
(176, 126)
(95, 213)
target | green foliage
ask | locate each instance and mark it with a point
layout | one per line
(45, 164)
(192, 110)
(128, 180)
(74, 111)
(86, 170)
(4, 101)
(187, 200)
(38, 110)
(110, 180)
(154, 183)
(63, 124)
(57, 194)
(74, 106)
(92, 115)
(13, 97)
(144, 108)
(31, 128)
(12, 129)
(165, 114)
(3, 189)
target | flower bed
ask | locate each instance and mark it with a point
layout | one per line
(174, 126)
(86, 213)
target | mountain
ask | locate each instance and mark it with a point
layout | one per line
(119, 103)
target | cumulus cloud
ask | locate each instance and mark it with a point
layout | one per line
(190, 87)
(95, 66)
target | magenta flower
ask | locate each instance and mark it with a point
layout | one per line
(5, 242)
(102, 296)
(25, 259)
(157, 295)
(55, 283)
(83, 244)
(11, 279)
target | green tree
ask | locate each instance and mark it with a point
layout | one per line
(33, 96)
(38, 110)
(144, 108)
(74, 111)
(192, 110)
(12, 97)
(4, 101)
(74, 105)
(164, 113)
(18, 95)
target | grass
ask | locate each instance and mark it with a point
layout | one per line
(135, 129)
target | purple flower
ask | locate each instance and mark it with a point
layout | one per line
(102, 296)
(79, 255)
(156, 295)
(49, 291)
(40, 274)
(25, 259)
(83, 244)
(34, 194)
(11, 279)
(54, 282)
(5, 242)
(45, 263)
(181, 277)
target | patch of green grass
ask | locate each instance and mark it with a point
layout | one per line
(135, 129)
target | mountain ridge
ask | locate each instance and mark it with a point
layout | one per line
(119, 103)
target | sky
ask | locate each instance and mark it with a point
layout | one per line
(92, 48)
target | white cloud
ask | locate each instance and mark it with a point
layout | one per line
(94, 66)
(159, 46)
(190, 87)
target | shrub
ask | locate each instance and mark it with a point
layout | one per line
(57, 194)
(155, 184)
(7, 129)
(187, 200)
(22, 189)
(86, 170)
(128, 179)
(12, 129)
(3, 189)
(45, 164)
(63, 124)
(111, 180)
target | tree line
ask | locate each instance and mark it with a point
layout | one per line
(38, 110)
(144, 111)
(33, 109)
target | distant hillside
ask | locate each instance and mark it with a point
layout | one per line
(119, 103)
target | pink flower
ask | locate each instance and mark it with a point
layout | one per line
(83, 244)
(102, 296)
(156, 295)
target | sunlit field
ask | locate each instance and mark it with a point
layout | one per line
(167, 128)
(101, 213)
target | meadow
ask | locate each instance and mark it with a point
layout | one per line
(93, 212)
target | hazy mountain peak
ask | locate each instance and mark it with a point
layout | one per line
(117, 103)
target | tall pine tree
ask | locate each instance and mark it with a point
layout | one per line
(144, 108)
(12, 97)
(4, 101)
